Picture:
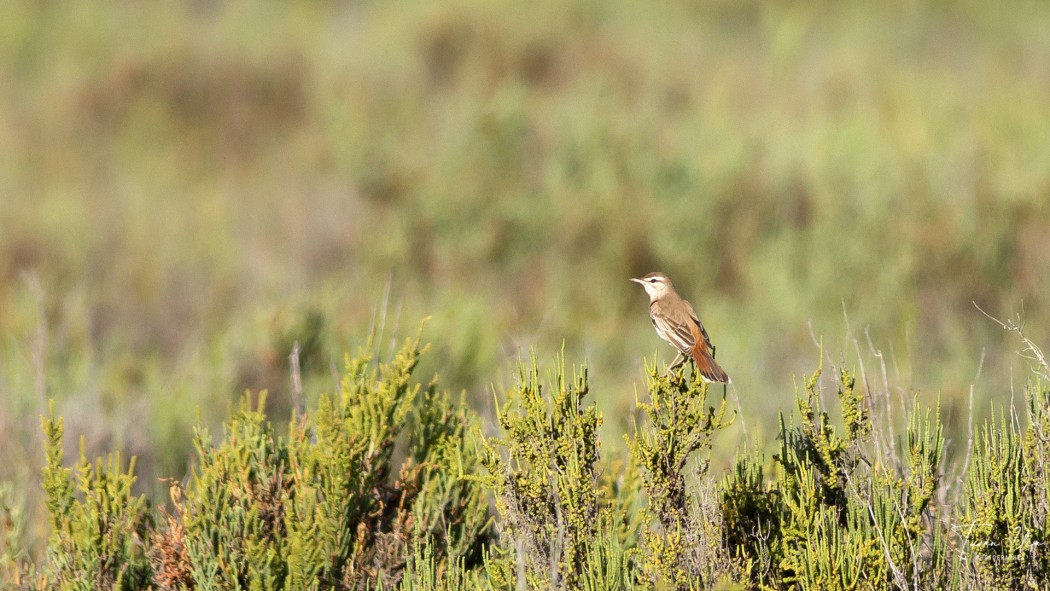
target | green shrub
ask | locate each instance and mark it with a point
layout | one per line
(333, 506)
(681, 548)
(1003, 520)
(838, 514)
(544, 474)
(570, 521)
(233, 522)
(338, 503)
(99, 529)
(383, 486)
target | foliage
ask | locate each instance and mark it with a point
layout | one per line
(679, 424)
(544, 474)
(384, 486)
(1004, 525)
(839, 514)
(99, 529)
(333, 505)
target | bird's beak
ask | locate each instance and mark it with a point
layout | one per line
(637, 280)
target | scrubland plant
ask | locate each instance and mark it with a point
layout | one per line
(561, 525)
(1003, 521)
(337, 503)
(99, 529)
(838, 514)
(426, 571)
(384, 486)
(567, 523)
(333, 505)
(682, 545)
(356, 509)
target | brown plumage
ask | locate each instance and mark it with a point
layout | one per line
(677, 323)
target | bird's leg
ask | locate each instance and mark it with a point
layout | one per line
(678, 360)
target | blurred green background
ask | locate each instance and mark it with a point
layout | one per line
(186, 188)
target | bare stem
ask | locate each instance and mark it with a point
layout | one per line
(1031, 351)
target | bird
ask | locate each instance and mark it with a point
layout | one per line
(676, 323)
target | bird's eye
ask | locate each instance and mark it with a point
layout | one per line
(652, 280)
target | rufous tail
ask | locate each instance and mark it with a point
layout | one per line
(707, 366)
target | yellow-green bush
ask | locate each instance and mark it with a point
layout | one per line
(841, 514)
(1003, 521)
(387, 483)
(680, 547)
(335, 504)
(99, 528)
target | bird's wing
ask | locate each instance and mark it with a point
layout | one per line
(675, 330)
(701, 352)
(701, 332)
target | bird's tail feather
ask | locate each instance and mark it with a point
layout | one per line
(707, 366)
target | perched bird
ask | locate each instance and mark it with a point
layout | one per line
(676, 323)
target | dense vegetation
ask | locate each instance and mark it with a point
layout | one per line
(383, 486)
(187, 189)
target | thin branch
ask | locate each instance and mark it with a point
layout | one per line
(297, 380)
(740, 410)
(1031, 351)
(892, 443)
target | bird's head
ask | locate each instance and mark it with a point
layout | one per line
(655, 284)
